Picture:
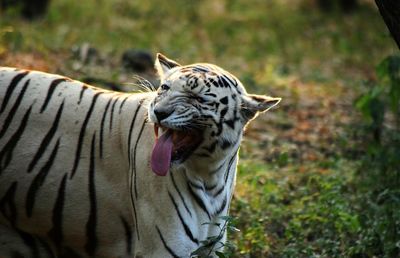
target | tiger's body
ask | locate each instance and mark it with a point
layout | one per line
(76, 164)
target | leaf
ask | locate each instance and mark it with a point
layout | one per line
(198, 251)
(220, 254)
(233, 229)
(230, 245)
(226, 218)
(382, 69)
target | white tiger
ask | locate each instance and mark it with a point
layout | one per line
(86, 172)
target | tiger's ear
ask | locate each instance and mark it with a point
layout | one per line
(253, 104)
(163, 64)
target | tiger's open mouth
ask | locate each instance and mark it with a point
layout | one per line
(172, 146)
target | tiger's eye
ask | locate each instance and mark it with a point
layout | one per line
(165, 87)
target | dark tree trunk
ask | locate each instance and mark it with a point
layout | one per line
(35, 8)
(348, 5)
(390, 11)
(342, 5)
(30, 9)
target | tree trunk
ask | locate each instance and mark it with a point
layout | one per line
(342, 5)
(30, 9)
(390, 11)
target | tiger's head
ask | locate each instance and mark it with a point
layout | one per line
(199, 113)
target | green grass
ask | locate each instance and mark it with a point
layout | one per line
(286, 213)
(327, 204)
(246, 37)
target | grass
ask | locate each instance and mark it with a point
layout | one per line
(292, 215)
(305, 184)
(295, 39)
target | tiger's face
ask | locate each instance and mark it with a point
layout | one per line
(199, 112)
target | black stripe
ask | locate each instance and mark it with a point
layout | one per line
(50, 92)
(11, 87)
(220, 209)
(185, 226)
(122, 104)
(180, 195)
(223, 113)
(165, 244)
(208, 84)
(194, 185)
(211, 94)
(112, 113)
(30, 242)
(91, 225)
(129, 158)
(231, 81)
(214, 82)
(39, 180)
(102, 127)
(128, 235)
(225, 82)
(231, 124)
(134, 156)
(47, 139)
(217, 169)
(136, 222)
(231, 193)
(56, 232)
(225, 143)
(230, 165)
(82, 134)
(13, 110)
(224, 100)
(200, 68)
(7, 204)
(221, 120)
(7, 151)
(211, 187)
(199, 201)
(219, 191)
(46, 247)
(131, 130)
(220, 82)
(83, 89)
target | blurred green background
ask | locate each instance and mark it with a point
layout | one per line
(319, 176)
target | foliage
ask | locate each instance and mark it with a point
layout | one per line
(214, 245)
(282, 35)
(382, 95)
(340, 207)
(300, 216)
(379, 174)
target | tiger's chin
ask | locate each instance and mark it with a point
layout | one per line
(173, 147)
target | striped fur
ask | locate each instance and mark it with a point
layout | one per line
(75, 179)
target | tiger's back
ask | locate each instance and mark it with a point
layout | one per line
(59, 162)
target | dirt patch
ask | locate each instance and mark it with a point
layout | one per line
(307, 126)
(32, 61)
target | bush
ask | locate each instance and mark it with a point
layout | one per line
(379, 174)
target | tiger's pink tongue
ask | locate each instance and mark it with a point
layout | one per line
(161, 155)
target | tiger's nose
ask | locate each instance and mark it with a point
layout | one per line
(161, 114)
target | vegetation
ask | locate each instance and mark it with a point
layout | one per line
(320, 175)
